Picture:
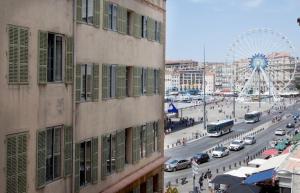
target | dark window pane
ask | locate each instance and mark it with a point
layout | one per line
(88, 162)
(57, 166)
(113, 152)
(49, 169)
(50, 67)
(82, 164)
(58, 59)
(83, 82)
(88, 82)
(49, 159)
(110, 16)
(108, 160)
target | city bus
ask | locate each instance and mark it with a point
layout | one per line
(252, 117)
(216, 129)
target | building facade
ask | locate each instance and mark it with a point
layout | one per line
(210, 82)
(216, 68)
(76, 78)
(186, 74)
(172, 80)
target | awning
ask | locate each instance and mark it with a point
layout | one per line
(243, 188)
(271, 163)
(136, 175)
(260, 177)
(226, 179)
(257, 162)
(242, 172)
(270, 152)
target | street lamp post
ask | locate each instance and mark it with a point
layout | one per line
(204, 97)
(234, 79)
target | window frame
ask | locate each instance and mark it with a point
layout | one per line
(112, 81)
(85, 155)
(86, 11)
(112, 16)
(155, 137)
(143, 142)
(63, 56)
(60, 127)
(83, 78)
(112, 154)
(144, 77)
(130, 22)
(144, 26)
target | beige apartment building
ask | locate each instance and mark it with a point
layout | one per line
(81, 101)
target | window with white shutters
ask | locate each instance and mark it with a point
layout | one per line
(16, 163)
(18, 55)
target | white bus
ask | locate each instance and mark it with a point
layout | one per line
(216, 129)
(252, 117)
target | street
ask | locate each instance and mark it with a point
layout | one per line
(263, 138)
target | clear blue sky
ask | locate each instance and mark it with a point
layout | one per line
(217, 23)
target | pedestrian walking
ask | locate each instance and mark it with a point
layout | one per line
(201, 181)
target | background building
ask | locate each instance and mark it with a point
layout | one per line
(172, 80)
(73, 96)
(189, 72)
(210, 83)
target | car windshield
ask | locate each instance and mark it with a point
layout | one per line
(249, 138)
(235, 142)
(173, 162)
(220, 149)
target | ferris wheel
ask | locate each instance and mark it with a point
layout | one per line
(262, 64)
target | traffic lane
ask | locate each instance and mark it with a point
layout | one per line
(207, 142)
(262, 140)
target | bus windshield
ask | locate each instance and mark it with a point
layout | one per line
(250, 116)
(212, 128)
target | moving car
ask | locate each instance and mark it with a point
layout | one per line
(280, 132)
(177, 164)
(236, 145)
(290, 125)
(220, 152)
(250, 140)
(200, 158)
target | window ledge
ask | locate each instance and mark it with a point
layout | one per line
(86, 23)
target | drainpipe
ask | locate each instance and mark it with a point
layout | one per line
(74, 94)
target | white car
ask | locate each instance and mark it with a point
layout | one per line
(220, 152)
(280, 132)
(236, 145)
(250, 140)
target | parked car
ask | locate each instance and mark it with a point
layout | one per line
(250, 140)
(236, 145)
(290, 125)
(200, 158)
(280, 132)
(220, 152)
(177, 164)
